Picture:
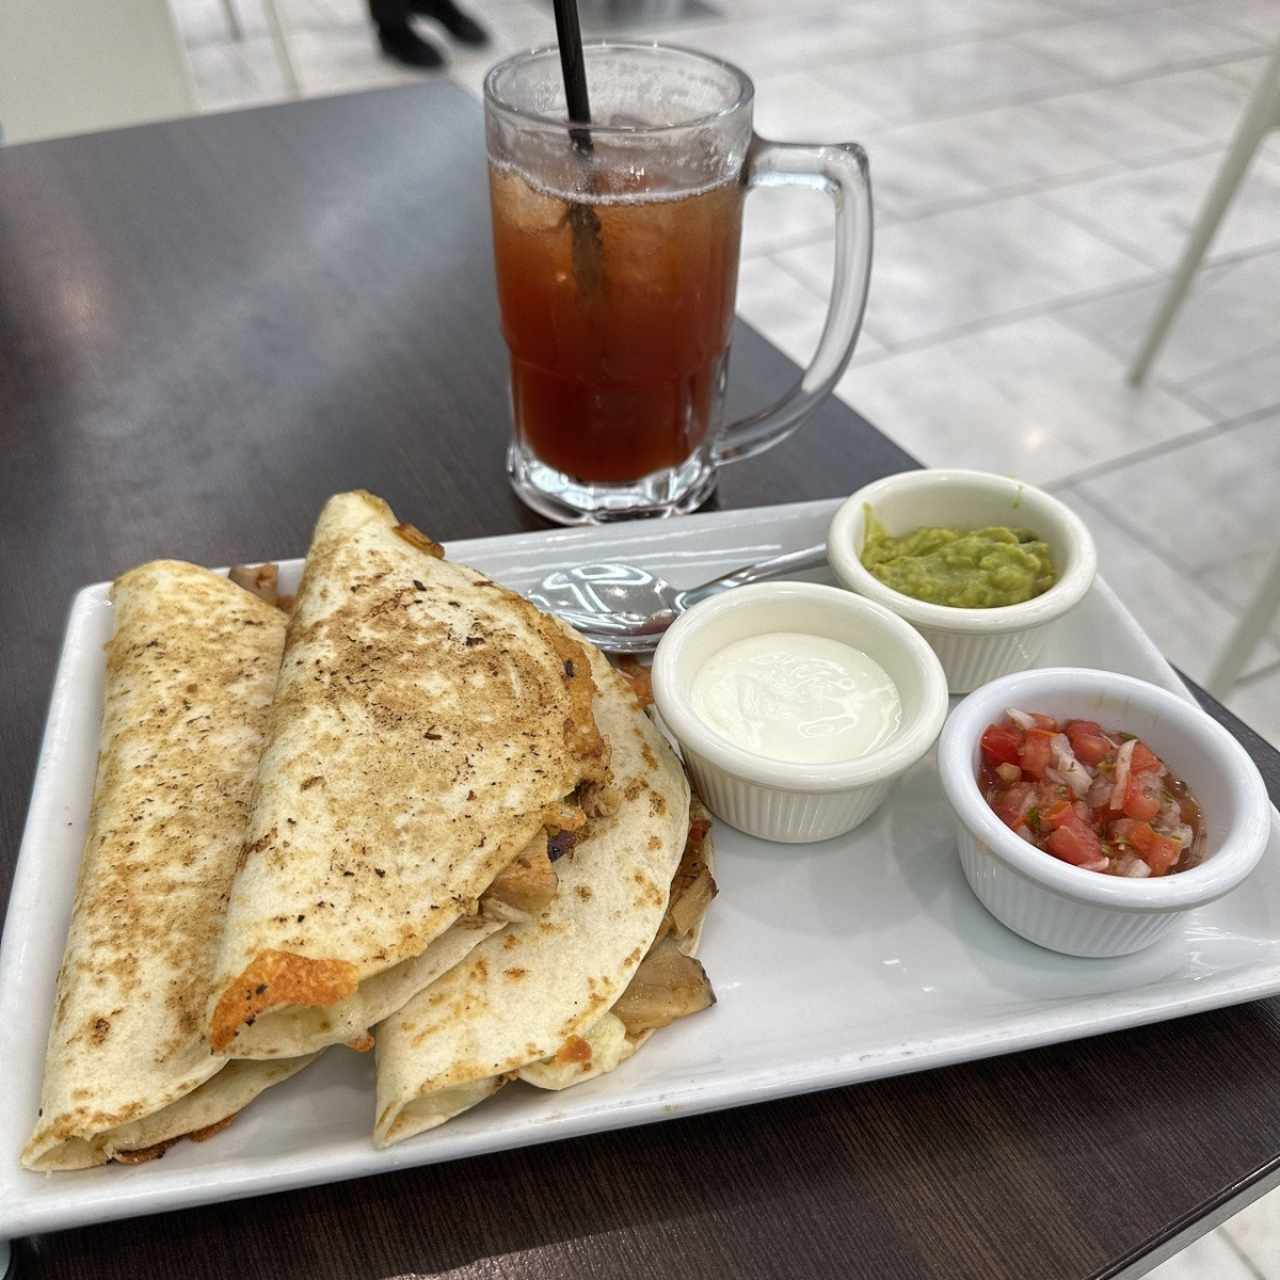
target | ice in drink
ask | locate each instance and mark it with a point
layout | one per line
(617, 371)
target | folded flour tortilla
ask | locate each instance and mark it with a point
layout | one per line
(429, 729)
(543, 989)
(190, 671)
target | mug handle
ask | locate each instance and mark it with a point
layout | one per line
(841, 170)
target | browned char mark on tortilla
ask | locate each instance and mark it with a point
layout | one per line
(638, 678)
(416, 538)
(276, 978)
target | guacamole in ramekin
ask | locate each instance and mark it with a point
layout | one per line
(963, 568)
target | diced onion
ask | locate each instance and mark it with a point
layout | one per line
(1072, 772)
(1137, 869)
(1028, 803)
(1099, 792)
(1020, 718)
(1008, 772)
(1124, 760)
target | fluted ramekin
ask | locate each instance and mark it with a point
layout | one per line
(974, 645)
(1084, 913)
(776, 799)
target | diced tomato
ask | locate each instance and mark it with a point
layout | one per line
(1129, 789)
(1164, 852)
(1072, 837)
(1000, 743)
(1087, 741)
(1142, 798)
(1011, 805)
(1091, 727)
(1075, 843)
(1056, 815)
(1158, 852)
(1036, 754)
(1050, 793)
(1123, 829)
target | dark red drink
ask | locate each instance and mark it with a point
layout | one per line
(618, 318)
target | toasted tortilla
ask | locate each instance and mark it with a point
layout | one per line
(542, 988)
(190, 671)
(609, 1043)
(427, 727)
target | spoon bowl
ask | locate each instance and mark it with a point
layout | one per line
(622, 608)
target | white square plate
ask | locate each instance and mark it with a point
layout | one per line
(862, 957)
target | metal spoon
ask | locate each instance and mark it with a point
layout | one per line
(625, 609)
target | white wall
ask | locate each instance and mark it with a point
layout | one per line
(71, 66)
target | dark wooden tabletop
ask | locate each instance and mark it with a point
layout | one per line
(206, 328)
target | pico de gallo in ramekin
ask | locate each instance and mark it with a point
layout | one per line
(1097, 798)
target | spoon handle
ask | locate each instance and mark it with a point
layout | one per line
(775, 567)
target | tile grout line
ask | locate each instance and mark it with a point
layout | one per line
(1189, 397)
(1103, 234)
(1182, 390)
(895, 46)
(1242, 1254)
(1115, 168)
(1224, 24)
(1030, 312)
(1203, 406)
(1257, 677)
(1096, 229)
(1234, 363)
(1008, 34)
(1197, 436)
(1174, 565)
(1065, 90)
(1057, 305)
(1051, 310)
(1172, 562)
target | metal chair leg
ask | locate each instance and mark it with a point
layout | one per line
(1261, 116)
(234, 29)
(1248, 632)
(281, 44)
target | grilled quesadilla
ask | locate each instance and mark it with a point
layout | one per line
(431, 733)
(190, 670)
(558, 999)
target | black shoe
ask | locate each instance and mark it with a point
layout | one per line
(461, 26)
(405, 45)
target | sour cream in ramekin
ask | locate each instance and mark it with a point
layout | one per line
(792, 695)
(796, 800)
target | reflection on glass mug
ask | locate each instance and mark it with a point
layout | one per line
(617, 262)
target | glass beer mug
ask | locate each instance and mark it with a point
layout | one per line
(616, 249)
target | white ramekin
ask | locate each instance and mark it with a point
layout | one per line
(774, 799)
(1084, 913)
(975, 645)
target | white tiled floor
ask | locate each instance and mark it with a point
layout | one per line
(1037, 165)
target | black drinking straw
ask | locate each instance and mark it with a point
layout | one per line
(587, 245)
(572, 67)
